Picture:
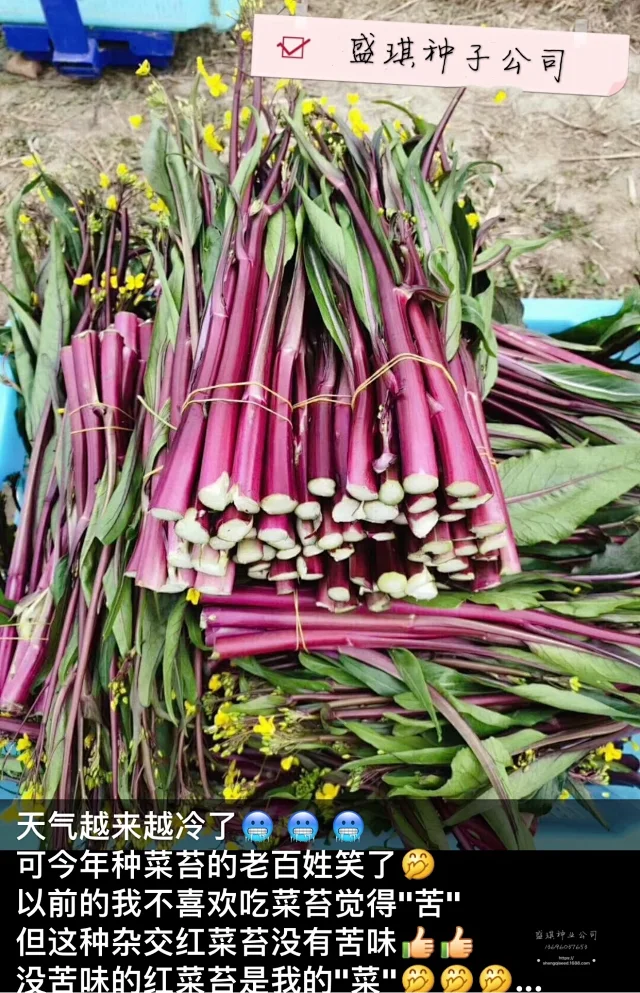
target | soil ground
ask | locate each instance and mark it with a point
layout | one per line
(569, 163)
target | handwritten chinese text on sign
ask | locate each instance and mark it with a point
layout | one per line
(440, 55)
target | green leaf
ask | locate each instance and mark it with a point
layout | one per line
(517, 598)
(56, 739)
(154, 163)
(328, 234)
(152, 637)
(467, 774)
(412, 674)
(391, 744)
(507, 306)
(551, 494)
(518, 436)
(285, 683)
(186, 195)
(528, 781)
(377, 680)
(616, 431)
(54, 333)
(119, 596)
(60, 203)
(612, 332)
(594, 606)
(246, 170)
(478, 311)
(171, 296)
(421, 127)
(282, 218)
(125, 498)
(591, 669)
(616, 558)
(578, 703)
(322, 667)
(324, 296)
(169, 659)
(598, 384)
(60, 580)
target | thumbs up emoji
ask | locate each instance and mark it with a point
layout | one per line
(419, 948)
(458, 947)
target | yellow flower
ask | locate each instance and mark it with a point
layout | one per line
(211, 139)
(215, 683)
(323, 101)
(144, 69)
(122, 171)
(576, 590)
(111, 202)
(331, 110)
(565, 795)
(89, 740)
(353, 99)
(289, 761)
(247, 36)
(24, 219)
(135, 282)
(31, 161)
(575, 684)
(265, 726)
(245, 116)
(189, 709)
(216, 86)
(113, 282)
(105, 182)
(291, 6)
(282, 84)
(328, 791)
(193, 596)
(32, 792)
(461, 203)
(308, 106)
(35, 300)
(473, 221)
(359, 127)
(226, 120)
(83, 280)
(610, 753)
(235, 792)
(136, 121)
(500, 97)
(160, 207)
(222, 719)
(24, 743)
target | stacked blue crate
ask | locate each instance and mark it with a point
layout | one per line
(83, 37)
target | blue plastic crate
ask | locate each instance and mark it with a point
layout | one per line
(83, 37)
(147, 15)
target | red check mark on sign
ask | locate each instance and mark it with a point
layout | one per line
(293, 48)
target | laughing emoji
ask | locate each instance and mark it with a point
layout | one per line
(495, 979)
(418, 864)
(456, 979)
(417, 979)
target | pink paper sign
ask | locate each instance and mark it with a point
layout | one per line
(398, 53)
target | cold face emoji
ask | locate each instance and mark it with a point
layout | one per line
(456, 979)
(418, 864)
(417, 979)
(495, 979)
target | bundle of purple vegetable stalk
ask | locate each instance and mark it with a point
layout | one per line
(307, 512)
